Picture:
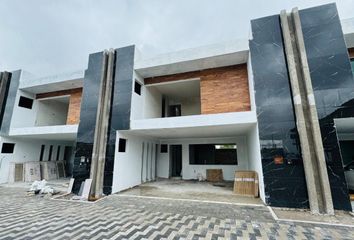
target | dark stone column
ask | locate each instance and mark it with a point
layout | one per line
(284, 181)
(88, 112)
(119, 113)
(4, 88)
(10, 101)
(120, 108)
(333, 87)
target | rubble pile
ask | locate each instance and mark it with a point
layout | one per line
(41, 187)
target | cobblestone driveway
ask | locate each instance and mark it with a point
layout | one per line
(117, 217)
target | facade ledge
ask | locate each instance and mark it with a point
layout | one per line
(197, 126)
(203, 120)
(348, 31)
(59, 132)
(53, 83)
(194, 59)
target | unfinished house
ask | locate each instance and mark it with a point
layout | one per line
(39, 126)
(279, 104)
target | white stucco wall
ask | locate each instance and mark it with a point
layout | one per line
(4, 163)
(152, 103)
(146, 105)
(136, 164)
(251, 83)
(27, 151)
(51, 113)
(24, 117)
(137, 104)
(163, 163)
(190, 171)
(255, 160)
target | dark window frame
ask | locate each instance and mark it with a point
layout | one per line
(25, 102)
(209, 154)
(7, 148)
(122, 145)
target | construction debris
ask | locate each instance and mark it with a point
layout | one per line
(70, 186)
(45, 189)
(41, 187)
(84, 191)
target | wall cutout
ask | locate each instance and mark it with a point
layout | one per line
(42, 153)
(58, 153)
(164, 148)
(50, 152)
(137, 88)
(25, 102)
(122, 145)
(7, 148)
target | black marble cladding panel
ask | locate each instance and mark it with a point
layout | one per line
(333, 85)
(10, 102)
(120, 109)
(284, 183)
(88, 112)
(5, 79)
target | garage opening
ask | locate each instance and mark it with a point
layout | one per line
(193, 167)
(42, 158)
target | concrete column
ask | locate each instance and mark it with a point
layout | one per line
(4, 87)
(104, 125)
(102, 122)
(320, 160)
(320, 198)
(95, 151)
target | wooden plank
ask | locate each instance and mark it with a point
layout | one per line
(246, 183)
(214, 175)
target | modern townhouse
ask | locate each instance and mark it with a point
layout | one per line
(279, 103)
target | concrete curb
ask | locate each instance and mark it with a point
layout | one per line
(190, 200)
(304, 221)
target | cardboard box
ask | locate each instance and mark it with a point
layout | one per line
(214, 175)
(246, 183)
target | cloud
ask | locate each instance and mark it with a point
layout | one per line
(48, 37)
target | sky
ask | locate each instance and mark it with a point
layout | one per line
(46, 37)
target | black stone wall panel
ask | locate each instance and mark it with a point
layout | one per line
(285, 184)
(10, 102)
(120, 108)
(5, 79)
(333, 86)
(88, 113)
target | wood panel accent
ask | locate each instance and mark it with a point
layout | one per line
(58, 93)
(74, 103)
(351, 52)
(173, 77)
(74, 108)
(222, 90)
(225, 90)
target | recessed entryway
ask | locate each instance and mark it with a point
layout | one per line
(176, 160)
